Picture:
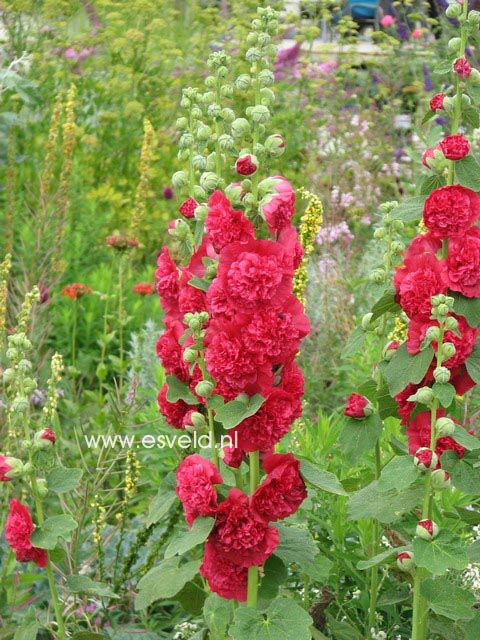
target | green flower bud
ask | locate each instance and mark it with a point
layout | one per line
(186, 141)
(12, 354)
(227, 114)
(29, 385)
(209, 181)
(210, 82)
(440, 480)
(234, 193)
(199, 193)
(406, 561)
(211, 272)
(243, 82)
(198, 420)
(181, 124)
(398, 225)
(442, 309)
(259, 113)
(20, 404)
(42, 488)
(227, 92)
(254, 54)
(208, 97)
(252, 38)
(474, 78)
(204, 132)
(466, 101)
(196, 113)
(474, 18)
(201, 213)
(190, 355)
(204, 388)
(453, 10)
(266, 78)
(267, 97)
(214, 110)
(448, 350)
(367, 322)
(444, 427)
(274, 145)
(179, 179)
(441, 375)
(199, 162)
(25, 366)
(240, 128)
(423, 395)
(380, 233)
(448, 104)
(185, 103)
(454, 45)
(451, 324)
(377, 276)
(427, 529)
(8, 376)
(17, 468)
(226, 142)
(433, 334)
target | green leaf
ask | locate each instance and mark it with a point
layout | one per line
(283, 620)
(394, 595)
(429, 184)
(404, 368)
(165, 581)
(469, 308)
(386, 506)
(89, 635)
(409, 211)
(398, 474)
(192, 597)
(354, 343)
(444, 392)
(83, 584)
(462, 437)
(443, 67)
(163, 501)
(387, 407)
(321, 479)
(474, 92)
(296, 545)
(46, 536)
(183, 542)
(473, 552)
(342, 630)
(464, 473)
(385, 304)
(319, 569)
(236, 411)
(446, 599)
(276, 574)
(446, 551)
(218, 614)
(467, 172)
(471, 117)
(428, 116)
(472, 630)
(199, 283)
(473, 364)
(359, 436)
(29, 627)
(62, 480)
(179, 391)
(380, 558)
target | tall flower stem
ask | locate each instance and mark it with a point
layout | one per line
(120, 319)
(457, 106)
(74, 332)
(252, 595)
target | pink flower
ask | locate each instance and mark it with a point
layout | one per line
(167, 277)
(18, 530)
(196, 478)
(225, 578)
(358, 407)
(387, 21)
(455, 147)
(463, 264)
(278, 208)
(450, 211)
(420, 278)
(462, 68)
(416, 34)
(224, 225)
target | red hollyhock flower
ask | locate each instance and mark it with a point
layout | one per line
(187, 209)
(233, 456)
(18, 530)
(246, 166)
(357, 407)
(230, 362)
(417, 331)
(282, 492)
(170, 352)
(463, 264)
(238, 536)
(254, 274)
(436, 103)
(167, 277)
(455, 147)
(196, 478)
(420, 278)
(292, 380)
(190, 299)
(278, 208)
(462, 68)
(268, 426)
(174, 412)
(419, 435)
(405, 408)
(424, 243)
(144, 289)
(224, 225)
(217, 302)
(224, 577)
(450, 211)
(47, 434)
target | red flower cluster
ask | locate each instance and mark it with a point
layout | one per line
(74, 291)
(242, 536)
(144, 289)
(18, 530)
(251, 338)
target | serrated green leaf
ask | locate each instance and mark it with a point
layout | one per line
(467, 172)
(404, 368)
(398, 474)
(387, 407)
(465, 476)
(47, 535)
(185, 541)
(385, 304)
(283, 620)
(386, 507)
(83, 584)
(471, 117)
(469, 308)
(296, 545)
(409, 211)
(446, 551)
(178, 390)
(473, 364)
(446, 599)
(276, 574)
(165, 581)
(62, 480)
(321, 479)
(163, 501)
(462, 437)
(443, 67)
(359, 436)
(218, 614)
(444, 392)
(354, 343)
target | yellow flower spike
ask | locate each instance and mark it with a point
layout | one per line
(49, 163)
(399, 333)
(311, 222)
(142, 192)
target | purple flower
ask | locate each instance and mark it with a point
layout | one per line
(90, 608)
(70, 54)
(168, 193)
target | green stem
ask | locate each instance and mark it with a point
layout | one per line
(375, 540)
(120, 319)
(74, 332)
(252, 594)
